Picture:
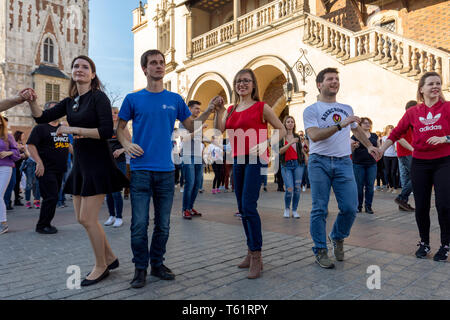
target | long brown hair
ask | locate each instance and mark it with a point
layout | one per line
(294, 130)
(255, 92)
(422, 80)
(95, 83)
(4, 130)
(389, 126)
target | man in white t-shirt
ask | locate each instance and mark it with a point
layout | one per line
(327, 125)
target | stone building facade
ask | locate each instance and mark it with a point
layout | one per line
(381, 48)
(38, 40)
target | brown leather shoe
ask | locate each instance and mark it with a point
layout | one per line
(255, 265)
(246, 263)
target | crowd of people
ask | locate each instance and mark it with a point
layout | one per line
(337, 150)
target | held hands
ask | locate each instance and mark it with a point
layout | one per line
(375, 152)
(28, 95)
(216, 104)
(437, 140)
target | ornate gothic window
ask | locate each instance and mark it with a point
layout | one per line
(49, 51)
(164, 37)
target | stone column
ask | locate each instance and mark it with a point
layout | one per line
(189, 35)
(236, 14)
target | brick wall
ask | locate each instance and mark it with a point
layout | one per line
(341, 13)
(428, 21)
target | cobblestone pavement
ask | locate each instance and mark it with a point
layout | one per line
(203, 254)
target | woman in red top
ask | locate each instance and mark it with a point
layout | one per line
(292, 160)
(246, 124)
(430, 121)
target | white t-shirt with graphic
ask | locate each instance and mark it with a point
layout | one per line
(324, 115)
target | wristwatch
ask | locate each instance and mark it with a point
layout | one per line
(448, 139)
(338, 125)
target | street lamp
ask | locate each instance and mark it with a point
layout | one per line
(303, 68)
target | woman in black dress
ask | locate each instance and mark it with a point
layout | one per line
(94, 172)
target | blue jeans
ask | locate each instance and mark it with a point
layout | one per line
(10, 188)
(264, 176)
(326, 172)
(114, 200)
(404, 165)
(145, 185)
(365, 176)
(247, 184)
(292, 173)
(305, 178)
(62, 195)
(193, 174)
(32, 182)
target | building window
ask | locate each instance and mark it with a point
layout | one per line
(164, 37)
(51, 92)
(49, 51)
(389, 25)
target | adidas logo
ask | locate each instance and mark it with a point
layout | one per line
(430, 119)
(430, 128)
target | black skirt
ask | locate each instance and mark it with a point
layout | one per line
(94, 170)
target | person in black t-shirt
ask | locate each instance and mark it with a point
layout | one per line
(365, 167)
(50, 152)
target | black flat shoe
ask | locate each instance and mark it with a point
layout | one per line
(87, 282)
(139, 279)
(369, 210)
(114, 265)
(47, 230)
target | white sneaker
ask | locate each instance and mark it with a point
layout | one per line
(295, 215)
(182, 189)
(110, 221)
(117, 223)
(286, 213)
(304, 188)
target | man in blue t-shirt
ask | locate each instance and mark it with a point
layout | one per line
(153, 111)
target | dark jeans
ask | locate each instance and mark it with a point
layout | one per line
(404, 165)
(62, 195)
(114, 200)
(49, 185)
(247, 183)
(217, 167)
(381, 177)
(10, 188)
(365, 179)
(145, 185)
(425, 174)
(18, 179)
(391, 169)
(305, 178)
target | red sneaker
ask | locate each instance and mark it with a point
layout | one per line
(195, 213)
(187, 214)
(37, 204)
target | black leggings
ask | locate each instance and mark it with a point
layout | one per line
(391, 167)
(425, 174)
(217, 167)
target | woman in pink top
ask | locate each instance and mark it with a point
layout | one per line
(430, 121)
(246, 124)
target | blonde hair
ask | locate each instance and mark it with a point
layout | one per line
(422, 80)
(4, 130)
(389, 126)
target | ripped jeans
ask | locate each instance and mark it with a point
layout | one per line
(292, 173)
